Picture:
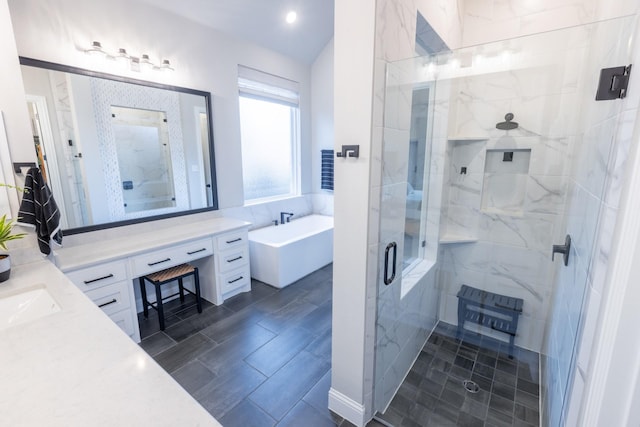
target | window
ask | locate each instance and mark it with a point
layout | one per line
(269, 131)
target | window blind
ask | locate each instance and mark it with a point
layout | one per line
(258, 84)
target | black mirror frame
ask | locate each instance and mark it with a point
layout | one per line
(214, 186)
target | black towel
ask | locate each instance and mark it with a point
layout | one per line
(38, 209)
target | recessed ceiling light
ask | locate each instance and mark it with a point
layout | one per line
(291, 17)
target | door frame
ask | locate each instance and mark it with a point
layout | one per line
(51, 157)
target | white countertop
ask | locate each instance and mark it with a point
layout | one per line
(77, 368)
(71, 258)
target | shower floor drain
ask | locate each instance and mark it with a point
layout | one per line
(470, 386)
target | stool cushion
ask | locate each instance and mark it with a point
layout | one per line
(170, 273)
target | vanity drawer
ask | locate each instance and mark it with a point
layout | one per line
(97, 276)
(232, 240)
(112, 298)
(232, 259)
(234, 279)
(169, 257)
(124, 320)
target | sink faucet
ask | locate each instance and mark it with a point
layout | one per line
(285, 217)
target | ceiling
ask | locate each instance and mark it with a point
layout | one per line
(263, 22)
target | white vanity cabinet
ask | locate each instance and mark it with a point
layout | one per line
(218, 247)
(109, 287)
(157, 260)
(231, 256)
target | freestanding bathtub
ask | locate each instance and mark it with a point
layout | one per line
(282, 254)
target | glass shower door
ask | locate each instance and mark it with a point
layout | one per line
(525, 159)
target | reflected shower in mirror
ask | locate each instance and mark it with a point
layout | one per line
(144, 159)
(118, 151)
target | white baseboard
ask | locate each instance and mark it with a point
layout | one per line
(347, 408)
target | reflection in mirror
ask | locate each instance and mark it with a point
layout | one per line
(427, 43)
(144, 160)
(417, 177)
(119, 151)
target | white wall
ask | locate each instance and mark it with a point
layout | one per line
(12, 104)
(204, 59)
(17, 128)
(322, 132)
(353, 71)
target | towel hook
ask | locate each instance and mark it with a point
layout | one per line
(349, 151)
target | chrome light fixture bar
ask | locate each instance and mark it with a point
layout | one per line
(136, 62)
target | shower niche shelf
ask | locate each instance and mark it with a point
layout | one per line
(467, 138)
(504, 185)
(462, 190)
(449, 239)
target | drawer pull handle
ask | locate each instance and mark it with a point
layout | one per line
(235, 280)
(108, 303)
(234, 259)
(234, 240)
(195, 252)
(158, 262)
(86, 282)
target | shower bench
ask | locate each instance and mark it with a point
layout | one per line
(497, 312)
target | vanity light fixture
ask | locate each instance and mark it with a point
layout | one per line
(166, 65)
(136, 63)
(122, 54)
(146, 62)
(96, 48)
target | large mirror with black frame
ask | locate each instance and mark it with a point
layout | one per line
(117, 151)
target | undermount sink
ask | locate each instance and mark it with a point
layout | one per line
(30, 304)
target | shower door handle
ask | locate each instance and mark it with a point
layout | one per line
(387, 279)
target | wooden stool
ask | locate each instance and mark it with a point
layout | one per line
(160, 278)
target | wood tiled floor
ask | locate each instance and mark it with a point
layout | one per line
(261, 359)
(433, 395)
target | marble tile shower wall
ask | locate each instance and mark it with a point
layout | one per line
(490, 20)
(596, 178)
(511, 254)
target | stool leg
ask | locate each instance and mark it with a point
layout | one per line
(197, 286)
(159, 306)
(181, 287)
(461, 313)
(145, 302)
(511, 346)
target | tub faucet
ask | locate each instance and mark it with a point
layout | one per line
(285, 217)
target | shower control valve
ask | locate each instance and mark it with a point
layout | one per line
(562, 249)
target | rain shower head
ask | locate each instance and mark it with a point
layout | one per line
(508, 124)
